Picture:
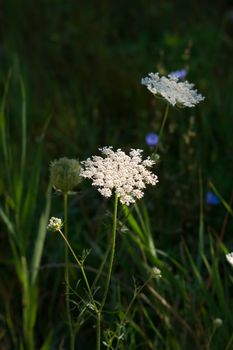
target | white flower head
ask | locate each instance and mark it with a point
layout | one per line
(55, 224)
(126, 175)
(177, 93)
(229, 258)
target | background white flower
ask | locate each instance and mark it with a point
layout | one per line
(127, 175)
(229, 258)
(176, 92)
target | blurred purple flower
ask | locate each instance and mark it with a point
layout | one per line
(152, 139)
(179, 74)
(211, 198)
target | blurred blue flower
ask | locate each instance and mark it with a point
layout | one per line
(211, 198)
(152, 139)
(179, 74)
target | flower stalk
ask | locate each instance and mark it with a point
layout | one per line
(113, 244)
(80, 264)
(162, 128)
(67, 278)
(112, 254)
(98, 313)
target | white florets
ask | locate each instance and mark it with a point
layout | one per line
(55, 224)
(176, 92)
(156, 272)
(127, 175)
(229, 258)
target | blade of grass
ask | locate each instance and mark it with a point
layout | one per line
(193, 265)
(3, 125)
(133, 223)
(164, 302)
(23, 126)
(225, 204)
(48, 342)
(39, 244)
(201, 222)
(30, 201)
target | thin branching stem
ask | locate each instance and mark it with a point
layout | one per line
(79, 264)
(67, 279)
(136, 293)
(98, 314)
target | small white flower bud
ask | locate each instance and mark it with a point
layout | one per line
(217, 322)
(55, 224)
(229, 258)
(156, 272)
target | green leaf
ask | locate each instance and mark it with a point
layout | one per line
(39, 244)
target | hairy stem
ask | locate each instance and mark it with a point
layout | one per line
(26, 301)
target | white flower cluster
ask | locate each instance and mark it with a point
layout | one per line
(229, 258)
(127, 175)
(55, 224)
(176, 92)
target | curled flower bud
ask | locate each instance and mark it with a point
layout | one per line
(64, 174)
(55, 224)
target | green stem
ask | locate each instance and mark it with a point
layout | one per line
(162, 128)
(211, 338)
(113, 242)
(136, 293)
(98, 313)
(201, 242)
(67, 279)
(112, 247)
(26, 300)
(79, 264)
(98, 331)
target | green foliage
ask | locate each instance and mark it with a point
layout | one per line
(18, 212)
